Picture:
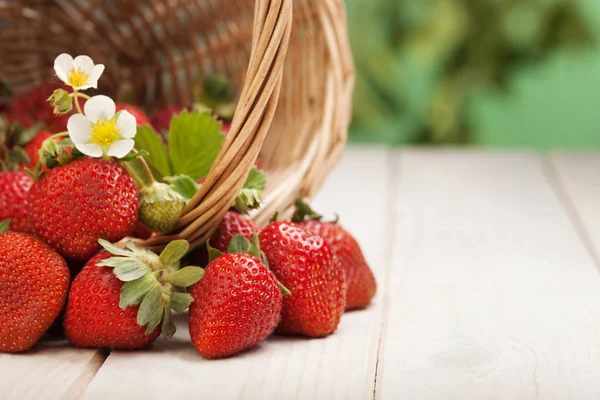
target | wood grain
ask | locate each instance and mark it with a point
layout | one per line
(492, 293)
(50, 371)
(341, 366)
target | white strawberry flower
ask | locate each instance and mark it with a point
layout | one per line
(100, 131)
(79, 73)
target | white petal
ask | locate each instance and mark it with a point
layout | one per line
(120, 148)
(90, 149)
(85, 63)
(79, 128)
(63, 64)
(94, 76)
(99, 108)
(126, 124)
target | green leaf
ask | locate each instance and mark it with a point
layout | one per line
(168, 327)
(4, 226)
(304, 211)
(212, 252)
(256, 180)
(254, 248)
(194, 142)
(248, 199)
(151, 306)
(284, 291)
(156, 317)
(238, 244)
(184, 185)
(134, 292)
(174, 252)
(26, 135)
(130, 270)
(181, 301)
(135, 155)
(149, 140)
(186, 276)
(112, 249)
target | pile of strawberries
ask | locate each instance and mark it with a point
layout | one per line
(69, 256)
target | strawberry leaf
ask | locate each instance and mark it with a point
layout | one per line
(112, 249)
(149, 140)
(151, 307)
(4, 226)
(130, 269)
(174, 252)
(256, 180)
(213, 253)
(194, 142)
(133, 292)
(181, 301)
(168, 327)
(187, 276)
(184, 185)
(238, 244)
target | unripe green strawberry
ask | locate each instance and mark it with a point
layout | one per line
(160, 207)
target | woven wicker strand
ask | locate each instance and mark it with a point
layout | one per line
(295, 81)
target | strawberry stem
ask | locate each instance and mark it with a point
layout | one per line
(76, 94)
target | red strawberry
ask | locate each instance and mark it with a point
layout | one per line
(33, 147)
(93, 317)
(360, 280)
(304, 264)
(236, 305)
(233, 223)
(14, 187)
(161, 120)
(140, 116)
(32, 107)
(74, 205)
(34, 281)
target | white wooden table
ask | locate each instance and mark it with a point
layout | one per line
(489, 279)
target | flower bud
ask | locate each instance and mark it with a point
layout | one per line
(61, 101)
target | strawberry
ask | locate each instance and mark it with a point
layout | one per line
(161, 120)
(160, 206)
(140, 116)
(233, 223)
(93, 317)
(122, 296)
(32, 107)
(75, 204)
(361, 284)
(33, 147)
(304, 263)
(14, 187)
(34, 281)
(236, 304)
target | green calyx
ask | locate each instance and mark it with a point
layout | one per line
(304, 212)
(154, 282)
(241, 245)
(5, 226)
(250, 197)
(160, 206)
(61, 102)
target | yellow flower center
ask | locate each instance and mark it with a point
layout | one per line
(105, 132)
(77, 77)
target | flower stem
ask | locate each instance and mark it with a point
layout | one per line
(151, 179)
(58, 135)
(140, 182)
(76, 94)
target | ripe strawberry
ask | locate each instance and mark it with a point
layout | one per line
(140, 116)
(304, 264)
(233, 223)
(161, 120)
(361, 285)
(34, 281)
(31, 107)
(93, 317)
(236, 304)
(75, 204)
(33, 147)
(14, 187)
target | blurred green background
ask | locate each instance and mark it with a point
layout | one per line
(484, 72)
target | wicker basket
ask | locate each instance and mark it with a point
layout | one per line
(295, 83)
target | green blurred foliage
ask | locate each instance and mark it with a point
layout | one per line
(468, 71)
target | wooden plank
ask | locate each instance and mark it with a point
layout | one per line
(49, 371)
(341, 366)
(492, 293)
(578, 175)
